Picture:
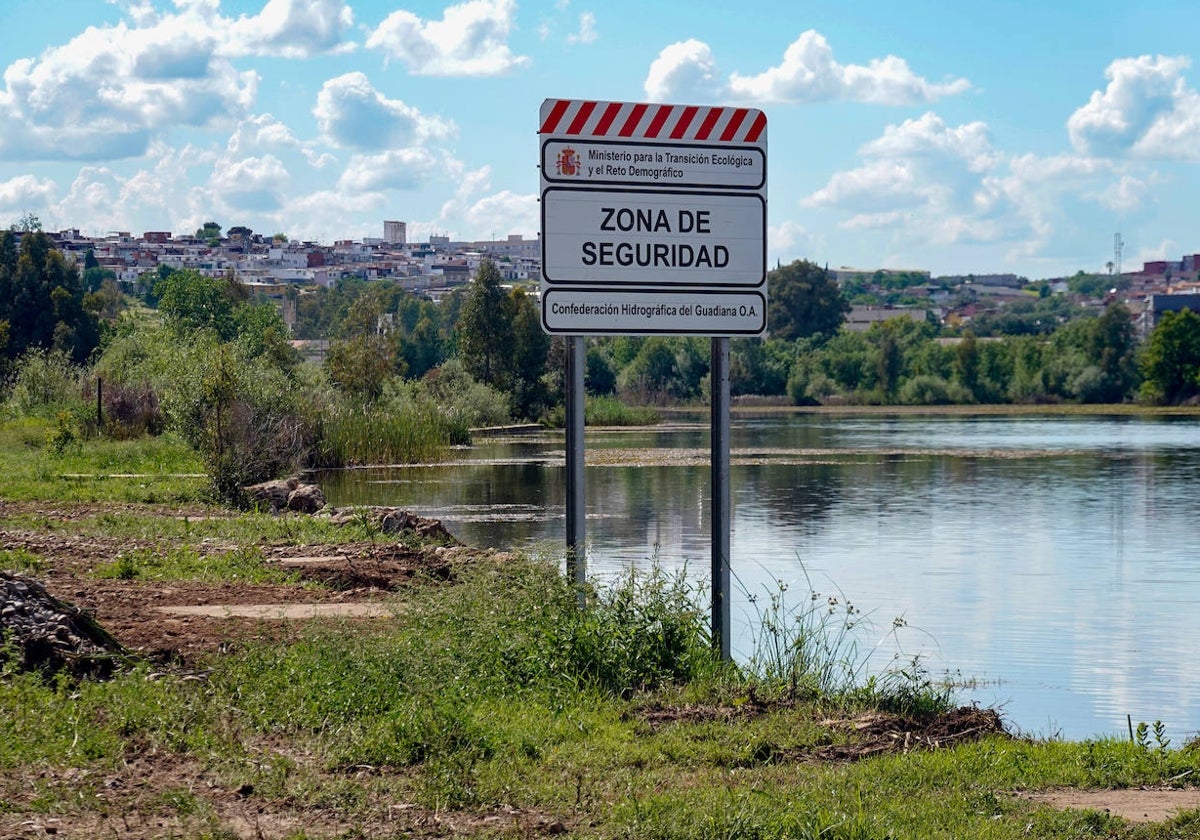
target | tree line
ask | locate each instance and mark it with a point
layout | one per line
(204, 358)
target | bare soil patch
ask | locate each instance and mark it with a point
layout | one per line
(1138, 805)
(354, 580)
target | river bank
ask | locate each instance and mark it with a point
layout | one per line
(463, 693)
(478, 702)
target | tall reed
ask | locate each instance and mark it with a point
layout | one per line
(356, 433)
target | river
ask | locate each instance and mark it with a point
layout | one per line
(1047, 564)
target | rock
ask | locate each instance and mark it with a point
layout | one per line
(395, 521)
(307, 498)
(50, 635)
(286, 494)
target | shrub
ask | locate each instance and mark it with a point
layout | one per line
(932, 390)
(44, 384)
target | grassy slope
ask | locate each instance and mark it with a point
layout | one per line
(492, 696)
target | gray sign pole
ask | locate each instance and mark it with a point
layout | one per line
(576, 508)
(719, 381)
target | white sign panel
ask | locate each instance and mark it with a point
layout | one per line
(681, 312)
(654, 218)
(584, 163)
(655, 238)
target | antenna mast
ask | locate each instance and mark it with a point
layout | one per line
(1118, 244)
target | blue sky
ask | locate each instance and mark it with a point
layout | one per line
(961, 138)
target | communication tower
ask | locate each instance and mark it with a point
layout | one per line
(1118, 244)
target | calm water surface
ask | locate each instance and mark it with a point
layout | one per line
(1051, 561)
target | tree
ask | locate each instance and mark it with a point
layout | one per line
(804, 302)
(364, 355)
(42, 299)
(192, 301)
(210, 233)
(530, 346)
(1170, 361)
(967, 363)
(485, 338)
(28, 223)
(1111, 347)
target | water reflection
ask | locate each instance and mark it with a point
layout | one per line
(1051, 558)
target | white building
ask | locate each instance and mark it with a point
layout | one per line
(395, 233)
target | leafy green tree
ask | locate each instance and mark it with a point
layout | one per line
(485, 337)
(42, 299)
(364, 354)
(1170, 361)
(804, 302)
(530, 346)
(651, 372)
(192, 301)
(210, 232)
(599, 377)
(966, 364)
(1112, 348)
(421, 347)
(759, 367)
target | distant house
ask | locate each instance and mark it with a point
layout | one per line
(860, 318)
(1159, 305)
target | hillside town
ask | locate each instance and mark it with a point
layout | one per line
(273, 265)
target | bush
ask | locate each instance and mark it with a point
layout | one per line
(44, 384)
(465, 401)
(932, 390)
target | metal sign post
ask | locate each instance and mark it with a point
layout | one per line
(576, 507)
(719, 385)
(654, 222)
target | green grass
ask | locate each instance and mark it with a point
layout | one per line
(149, 470)
(410, 433)
(497, 692)
(607, 411)
(187, 563)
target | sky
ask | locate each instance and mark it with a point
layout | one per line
(995, 136)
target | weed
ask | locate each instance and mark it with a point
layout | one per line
(20, 559)
(813, 650)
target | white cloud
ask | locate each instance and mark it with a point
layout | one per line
(928, 136)
(252, 183)
(25, 193)
(111, 90)
(587, 30)
(921, 164)
(930, 183)
(808, 73)
(108, 91)
(1126, 195)
(1164, 250)
(470, 182)
(1146, 110)
(471, 39)
(788, 239)
(293, 29)
(321, 216)
(685, 70)
(399, 169)
(352, 113)
(503, 213)
(261, 131)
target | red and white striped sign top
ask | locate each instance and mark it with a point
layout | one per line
(585, 118)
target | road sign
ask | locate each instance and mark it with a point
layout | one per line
(640, 311)
(587, 163)
(641, 237)
(653, 219)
